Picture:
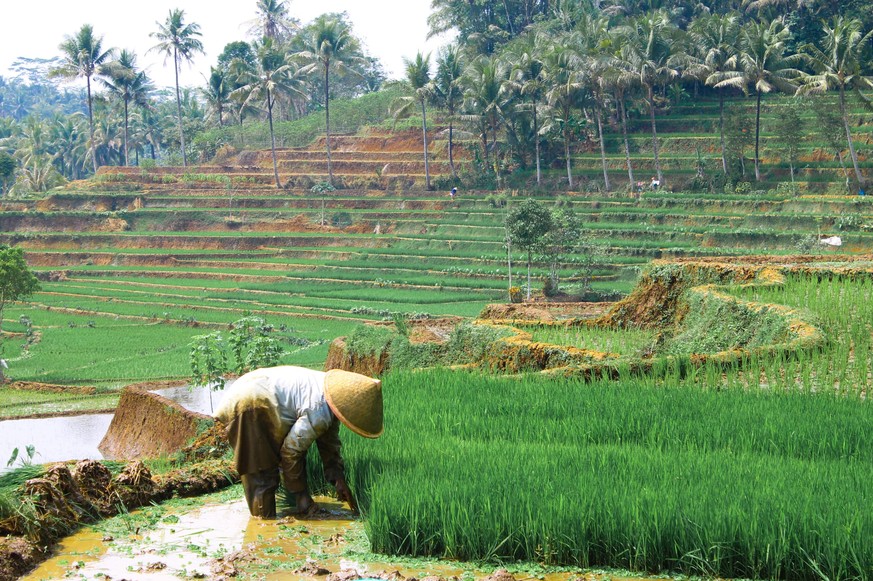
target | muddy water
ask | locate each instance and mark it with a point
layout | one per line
(185, 546)
(197, 399)
(53, 439)
(76, 437)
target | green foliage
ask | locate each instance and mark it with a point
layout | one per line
(7, 170)
(208, 360)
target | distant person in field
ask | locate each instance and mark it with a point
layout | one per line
(453, 193)
(274, 415)
(656, 183)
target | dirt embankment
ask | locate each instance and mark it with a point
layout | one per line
(63, 498)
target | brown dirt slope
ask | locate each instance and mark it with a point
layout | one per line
(147, 425)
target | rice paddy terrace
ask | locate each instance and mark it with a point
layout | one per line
(148, 258)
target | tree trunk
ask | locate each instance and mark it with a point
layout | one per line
(424, 140)
(528, 273)
(537, 142)
(655, 136)
(126, 153)
(630, 169)
(509, 259)
(757, 136)
(451, 146)
(179, 107)
(849, 136)
(220, 111)
(91, 126)
(567, 156)
(327, 119)
(272, 139)
(721, 131)
(602, 145)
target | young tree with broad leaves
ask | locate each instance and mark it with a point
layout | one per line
(179, 40)
(16, 280)
(526, 225)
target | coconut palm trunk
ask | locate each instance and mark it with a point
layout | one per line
(126, 151)
(424, 140)
(630, 169)
(599, 119)
(721, 131)
(852, 152)
(537, 141)
(327, 119)
(273, 138)
(757, 136)
(179, 107)
(654, 134)
(91, 125)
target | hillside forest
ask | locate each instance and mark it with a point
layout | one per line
(526, 83)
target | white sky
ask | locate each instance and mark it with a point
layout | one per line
(390, 29)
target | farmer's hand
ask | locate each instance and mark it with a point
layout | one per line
(343, 494)
(305, 504)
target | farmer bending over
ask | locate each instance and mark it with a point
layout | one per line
(273, 415)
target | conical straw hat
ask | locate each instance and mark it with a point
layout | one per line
(356, 400)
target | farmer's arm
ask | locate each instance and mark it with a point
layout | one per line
(334, 470)
(329, 449)
(293, 454)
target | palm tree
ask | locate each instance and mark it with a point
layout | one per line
(82, 56)
(840, 66)
(125, 82)
(418, 77)
(272, 20)
(448, 91)
(217, 92)
(621, 80)
(527, 78)
(178, 40)
(275, 72)
(715, 40)
(486, 100)
(761, 62)
(648, 53)
(565, 91)
(329, 42)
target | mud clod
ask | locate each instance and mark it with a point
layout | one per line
(228, 566)
(312, 568)
(500, 575)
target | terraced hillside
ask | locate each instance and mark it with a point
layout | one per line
(136, 261)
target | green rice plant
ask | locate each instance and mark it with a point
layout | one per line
(646, 477)
(622, 341)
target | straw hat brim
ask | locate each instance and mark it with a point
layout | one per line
(356, 401)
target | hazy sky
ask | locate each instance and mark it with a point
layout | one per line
(390, 29)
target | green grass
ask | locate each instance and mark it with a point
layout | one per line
(621, 341)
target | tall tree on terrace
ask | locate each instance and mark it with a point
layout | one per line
(329, 42)
(275, 72)
(486, 102)
(621, 80)
(566, 90)
(528, 78)
(272, 20)
(648, 53)
(128, 84)
(592, 36)
(82, 56)
(762, 63)
(839, 66)
(418, 77)
(217, 92)
(178, 39)
(448, 91)
(714, 41)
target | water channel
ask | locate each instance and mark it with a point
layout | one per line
(62, 438)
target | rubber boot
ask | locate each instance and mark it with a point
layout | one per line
(260, 490)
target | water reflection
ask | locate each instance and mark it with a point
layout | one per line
(196, 399)
(54, 439)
